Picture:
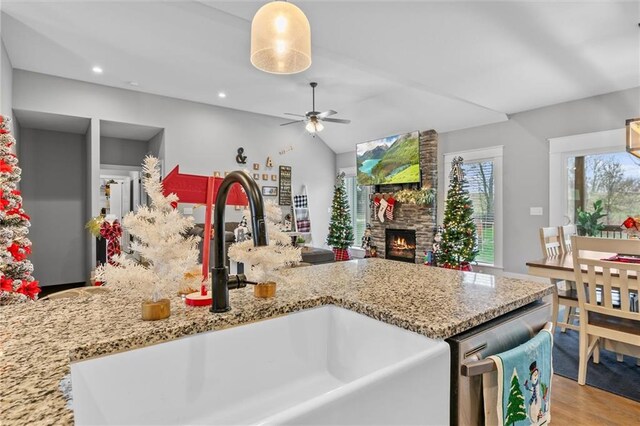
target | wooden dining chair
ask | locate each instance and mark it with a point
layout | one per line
(564, 293)
(603, 320)
(566, 232)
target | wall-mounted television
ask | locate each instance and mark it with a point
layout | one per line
(390, 160)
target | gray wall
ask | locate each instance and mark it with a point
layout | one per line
(200, 138)
(123, 152)
(54, 195)
(156, 145)
(526, 160)
(6, 82)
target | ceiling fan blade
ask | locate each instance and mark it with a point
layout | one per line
(295, 115)
(336, 120)
(326, 113)
(292, 122)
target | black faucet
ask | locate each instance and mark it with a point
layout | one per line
(219, 273)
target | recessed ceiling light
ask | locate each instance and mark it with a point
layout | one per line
(97, 70)
(133, 83)
(222, 95)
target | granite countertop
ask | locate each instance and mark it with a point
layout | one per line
(39, 340)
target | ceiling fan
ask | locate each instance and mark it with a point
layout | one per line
(314, 118)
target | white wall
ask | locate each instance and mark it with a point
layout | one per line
(526, 160)
(200, 138)
(54, 188)
(6, 82)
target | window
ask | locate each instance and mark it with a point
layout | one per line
(359, 207)
(483, 172)
(480, 177)
(589, 167)
(612, 177)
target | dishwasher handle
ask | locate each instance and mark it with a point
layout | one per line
(474, 366)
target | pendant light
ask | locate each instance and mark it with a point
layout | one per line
(280, 39)
(633, 136)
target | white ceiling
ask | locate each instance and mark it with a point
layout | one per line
(389, 66)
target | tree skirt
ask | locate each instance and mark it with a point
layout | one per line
(341, 254)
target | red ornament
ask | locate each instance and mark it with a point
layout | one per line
(174, 204)
(629, 223)
(4, 203)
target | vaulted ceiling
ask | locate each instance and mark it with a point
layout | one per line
(389, 66)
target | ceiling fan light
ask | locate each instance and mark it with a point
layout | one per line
(280, 39)
(311, 127)
(319, 126)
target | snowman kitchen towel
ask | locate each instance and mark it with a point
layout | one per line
(522, 394)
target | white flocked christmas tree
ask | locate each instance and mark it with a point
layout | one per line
(159, 232)
(16, 282)
(263, 263)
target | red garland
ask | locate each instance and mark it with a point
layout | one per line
(111, 233)
(17, 211)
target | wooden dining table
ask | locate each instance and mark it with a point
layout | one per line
(561, 268)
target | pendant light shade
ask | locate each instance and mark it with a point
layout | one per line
(280, 39)
(633, 136)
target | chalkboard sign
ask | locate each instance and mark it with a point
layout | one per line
(284, 197)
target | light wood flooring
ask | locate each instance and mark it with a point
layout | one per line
(573, 404)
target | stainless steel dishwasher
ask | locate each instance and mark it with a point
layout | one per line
(490, 338)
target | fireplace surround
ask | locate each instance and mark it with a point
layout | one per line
(418, 218)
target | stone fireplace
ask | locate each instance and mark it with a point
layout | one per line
(400, 245)
(421, 220)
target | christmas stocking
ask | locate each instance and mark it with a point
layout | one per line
(383, 208)
(389, 211)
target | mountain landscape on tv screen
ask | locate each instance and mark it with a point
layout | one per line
(395, 159)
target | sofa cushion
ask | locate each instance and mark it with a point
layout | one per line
(317, 256)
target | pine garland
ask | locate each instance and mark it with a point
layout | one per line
(458, 243)
(340, 230)
(16, 282)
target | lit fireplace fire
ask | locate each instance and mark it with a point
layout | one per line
(400, 243)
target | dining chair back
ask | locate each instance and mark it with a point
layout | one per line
(550, 241)
(564, 294)
(566, 232)
(602, 319)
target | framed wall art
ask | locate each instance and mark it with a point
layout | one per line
(270, 191)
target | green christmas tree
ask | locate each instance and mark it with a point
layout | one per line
(516, 410)
(458, 235)
(340, 230)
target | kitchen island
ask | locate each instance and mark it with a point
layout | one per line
(39, 340)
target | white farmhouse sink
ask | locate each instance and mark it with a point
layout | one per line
(325, 365)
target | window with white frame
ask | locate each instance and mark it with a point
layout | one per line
(589, 167)
(483, 172)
